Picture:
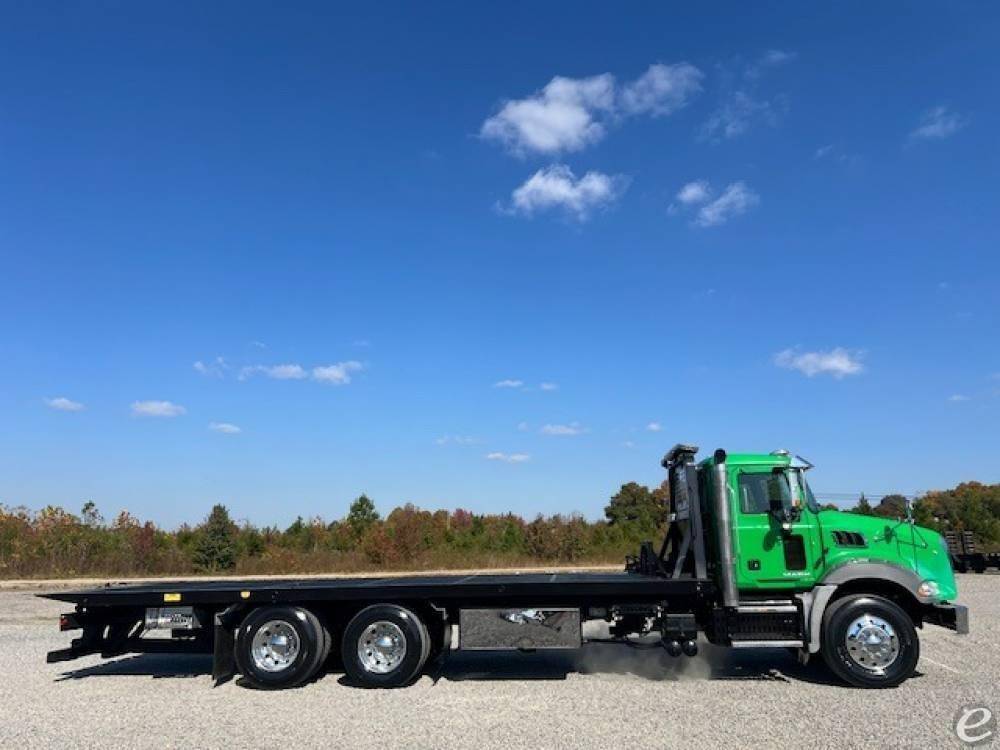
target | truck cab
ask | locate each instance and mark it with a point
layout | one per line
(859, 585)
(783, 541)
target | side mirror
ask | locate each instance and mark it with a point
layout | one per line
(777, 507)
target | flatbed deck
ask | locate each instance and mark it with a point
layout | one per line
(479, 587)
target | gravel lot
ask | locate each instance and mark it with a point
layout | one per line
(603, 696)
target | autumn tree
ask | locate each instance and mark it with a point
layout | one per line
(891, 506)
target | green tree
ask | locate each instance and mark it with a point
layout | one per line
(216, 547)
(249, 542)
(361, 516)
(863, 507)
(637, 509)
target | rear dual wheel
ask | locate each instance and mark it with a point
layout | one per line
(280, 647)
(385, 645)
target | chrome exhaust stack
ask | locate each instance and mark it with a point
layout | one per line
(723, 531)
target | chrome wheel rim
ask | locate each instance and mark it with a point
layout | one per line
(275, 646)
(381, 647)
(872, 643)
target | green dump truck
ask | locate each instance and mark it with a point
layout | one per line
(749, 561)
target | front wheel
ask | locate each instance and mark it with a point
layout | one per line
(870, 641)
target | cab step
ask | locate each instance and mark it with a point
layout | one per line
(768, 644)
(772, 622)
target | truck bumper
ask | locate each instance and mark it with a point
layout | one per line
(952, 616)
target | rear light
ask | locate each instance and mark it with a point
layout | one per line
(68, 622)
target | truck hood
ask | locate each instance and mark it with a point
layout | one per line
(890, 540)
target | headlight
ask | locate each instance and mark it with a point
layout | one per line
(928, 589)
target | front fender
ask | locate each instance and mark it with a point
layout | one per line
(877, 570)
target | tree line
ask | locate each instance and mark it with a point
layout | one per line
(971, 506)
(53, 542)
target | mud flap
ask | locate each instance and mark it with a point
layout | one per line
(224, 644)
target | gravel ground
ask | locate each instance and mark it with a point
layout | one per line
(603, 696)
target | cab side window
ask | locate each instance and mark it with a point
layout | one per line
(756, 491)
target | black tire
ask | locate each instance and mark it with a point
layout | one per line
(327, 644)
(313, 639)
(838, 620)
(417, 642)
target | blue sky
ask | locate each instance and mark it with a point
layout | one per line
(495, 258)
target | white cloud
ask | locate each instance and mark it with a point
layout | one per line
(216, 368)
(560, 117)
(837, 362)
(573, 428)
(835, 154)
(556, 187)
(956, 398)
(510, 458)
(509, 383)
(661, 90)
(570, 114)
(335, 374)
(654, 427)
(694, 192)
(157, 409)
(738, 112)
(338, 374)
(225, 428)
(777, 57)
(735, 200)
(937, 123)
(691, 194)
(61, 403)
(277, 372)
(456, 440)
(549, 386)
(523, 427)
(741, 106)
(628, 444)
(770, 59)
(258, 344)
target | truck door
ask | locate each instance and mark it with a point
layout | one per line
(770, 554)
